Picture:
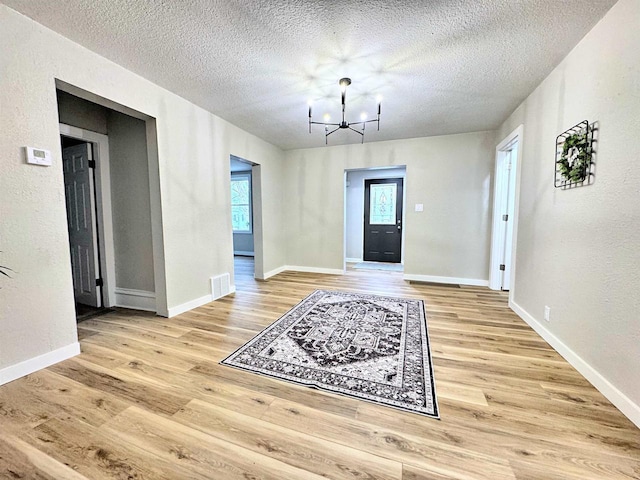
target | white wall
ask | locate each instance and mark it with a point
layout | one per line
(193, 146)
(130, 200)
(354, 225)
(578, 251)
(450, 175)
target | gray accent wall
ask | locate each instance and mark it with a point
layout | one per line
(130, 199)
(80, 113)
(130, 202)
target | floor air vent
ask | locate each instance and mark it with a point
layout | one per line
(220, 286)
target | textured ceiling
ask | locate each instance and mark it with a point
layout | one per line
(441, 66)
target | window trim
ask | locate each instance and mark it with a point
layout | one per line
(239, 176)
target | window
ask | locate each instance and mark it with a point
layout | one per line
(241, 203)
(382, 204)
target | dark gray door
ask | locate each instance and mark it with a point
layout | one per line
(383, 220)
(79, 194)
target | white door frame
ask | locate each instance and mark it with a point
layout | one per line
(104, 218)
(345, 208)
(497, 230)
(258, 237)
(256, 215)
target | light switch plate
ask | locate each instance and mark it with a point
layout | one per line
(419, 207)
(38, 156)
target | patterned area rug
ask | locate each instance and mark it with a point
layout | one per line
(365, 346)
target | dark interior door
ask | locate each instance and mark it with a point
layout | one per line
(383, 220)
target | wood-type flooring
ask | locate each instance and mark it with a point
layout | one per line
(147, 399)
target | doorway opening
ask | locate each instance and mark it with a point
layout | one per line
(505, 212)
(374, 218)
(246, 221)
(112, 197)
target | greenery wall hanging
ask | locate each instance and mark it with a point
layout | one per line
(574, 156)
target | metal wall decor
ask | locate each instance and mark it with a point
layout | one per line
(574, 156)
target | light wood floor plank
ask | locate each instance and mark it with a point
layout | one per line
(291, 446)
(147, 398)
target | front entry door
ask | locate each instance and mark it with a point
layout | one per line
(383, 220)
(78, 187)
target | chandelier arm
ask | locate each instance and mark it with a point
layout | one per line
(357, 131)
(334, 130)
(323, 123)
(363, 122)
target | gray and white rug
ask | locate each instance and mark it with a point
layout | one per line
(365, 346)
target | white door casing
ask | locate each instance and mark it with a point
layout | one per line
(505, 212)
(83, 242)
(509, 170)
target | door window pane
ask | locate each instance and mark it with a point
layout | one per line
(382, 204)
(241, 203)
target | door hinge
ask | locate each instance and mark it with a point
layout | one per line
(92, 164)
(99, 282)
(502, 267)
(505, 217)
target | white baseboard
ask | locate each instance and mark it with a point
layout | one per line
(190, 305)
(326, 271)
(136, 299)
(476, 282)
(195, 303)
(244, 253)
(296, 268)
(630, 409)
(353, 260)
(8, 374)
(273, 272)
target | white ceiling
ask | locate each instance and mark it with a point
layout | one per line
(441, 66)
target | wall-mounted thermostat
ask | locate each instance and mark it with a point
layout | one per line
(38, 156)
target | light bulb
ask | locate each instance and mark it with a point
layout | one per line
(363, 116)
(379, 99)
(327, 117)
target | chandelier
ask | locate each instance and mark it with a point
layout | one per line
(344, 83)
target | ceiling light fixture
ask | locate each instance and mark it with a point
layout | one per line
(344, 83)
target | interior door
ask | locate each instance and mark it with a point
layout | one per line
(383, 220)
(510, 181)
(79, 188)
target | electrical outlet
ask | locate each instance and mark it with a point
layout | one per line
(547, 313)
